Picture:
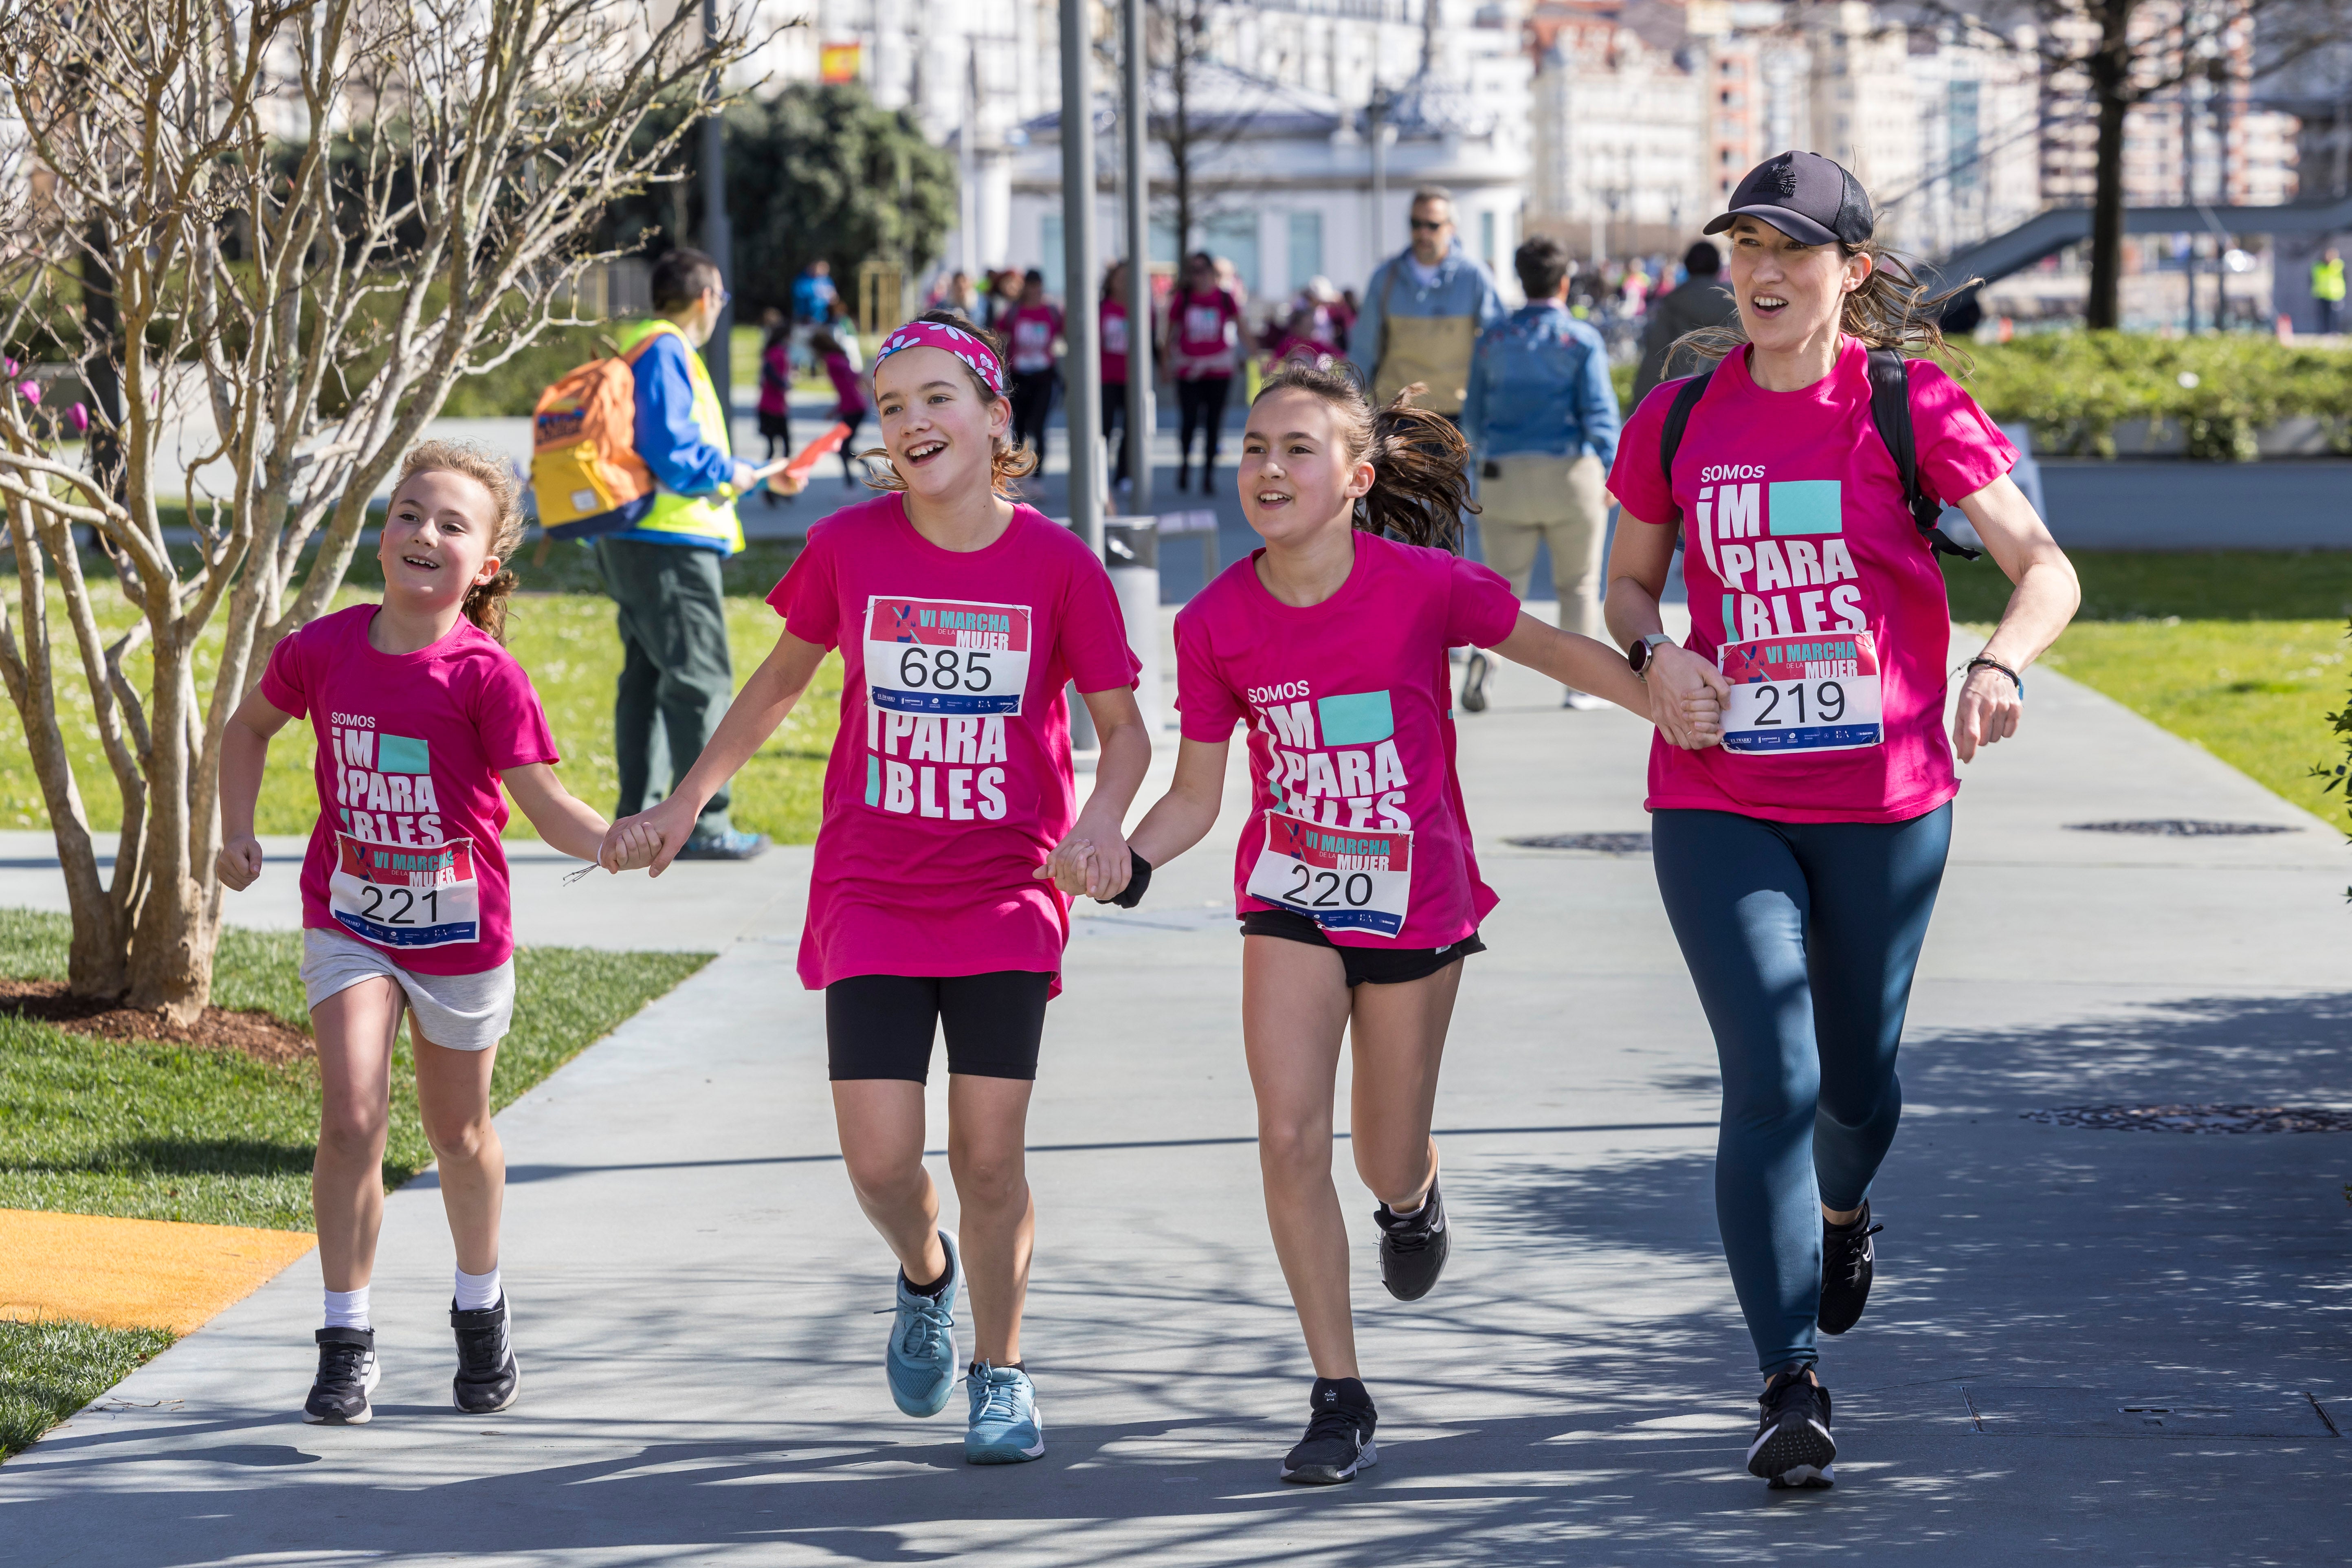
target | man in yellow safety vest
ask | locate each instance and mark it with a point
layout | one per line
(2328, 287)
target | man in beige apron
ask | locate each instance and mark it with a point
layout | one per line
(1424, 310)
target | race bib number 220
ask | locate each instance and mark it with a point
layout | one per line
(1356, 879)
(946, 655)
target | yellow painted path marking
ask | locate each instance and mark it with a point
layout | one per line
(134, 1273)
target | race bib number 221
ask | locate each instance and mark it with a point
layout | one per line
(946, 655)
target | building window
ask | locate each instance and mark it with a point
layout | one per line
(1487, 237)
(1234, 235)
(1306, 248)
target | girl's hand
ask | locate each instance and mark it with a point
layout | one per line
(1989, 712)
(1681, 685)
(1092, 860)
(629, 846)
(239, 864)
(668, 826)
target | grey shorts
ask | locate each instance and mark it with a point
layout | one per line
(457, 1012)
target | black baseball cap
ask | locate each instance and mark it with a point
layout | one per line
(1804, 195)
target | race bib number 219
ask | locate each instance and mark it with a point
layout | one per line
(1801, 694)
(946, 655)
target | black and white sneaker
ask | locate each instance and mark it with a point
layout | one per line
(347, 1375)
(1475, 671)
(487, 1378)
(1338, 1440)
(1847, 1264)
(1413, 1246)
(1792, 1447)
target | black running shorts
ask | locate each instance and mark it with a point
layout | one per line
(1365, 965)
(882, 1025)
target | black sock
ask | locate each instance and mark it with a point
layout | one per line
(1331, 1391)
(1008, 1366)
(935, 1289)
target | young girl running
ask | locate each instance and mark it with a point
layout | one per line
(961, 617)
(1355, 884)
(420, 715)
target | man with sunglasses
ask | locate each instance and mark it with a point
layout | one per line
(1424, 310)
(662, 566)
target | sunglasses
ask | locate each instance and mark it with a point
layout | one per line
(1422, 223)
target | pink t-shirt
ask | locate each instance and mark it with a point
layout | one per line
(1811, 586)
(1033, 328)
(1113, 319)
(1357, 815)
(950, 781)
(405, 853)
(1203, 329)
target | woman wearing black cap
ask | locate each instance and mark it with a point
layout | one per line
(1799, 861)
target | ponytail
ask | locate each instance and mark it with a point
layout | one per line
(1421, 477)
(486, 602)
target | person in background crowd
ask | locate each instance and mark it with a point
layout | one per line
(843, 327)
(1299, 339)
(1424, 310)
(848, 389)
(1111, 318)
(776, 392)
(1542, 415)
(1702, 300)
(954, 292)
(1031, 332)
(1204, 350)
(2328, 287)
(1003, 299)
(813, 292)
(1634, 290)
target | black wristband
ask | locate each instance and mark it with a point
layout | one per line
(1981, 662)
(1138, 881)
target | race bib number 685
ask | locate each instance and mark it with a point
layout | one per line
(946, 655)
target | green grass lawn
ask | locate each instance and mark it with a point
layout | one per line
(560, 628)
(2242, 652)
(50, 1369)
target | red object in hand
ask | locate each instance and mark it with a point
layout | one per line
(803, 460)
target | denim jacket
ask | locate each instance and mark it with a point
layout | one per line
(1539, 383)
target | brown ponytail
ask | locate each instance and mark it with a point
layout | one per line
(1893, 309)
(486, 602)
(1421, 477)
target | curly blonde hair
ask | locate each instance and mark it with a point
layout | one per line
(486, 602)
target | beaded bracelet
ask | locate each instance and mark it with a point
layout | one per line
(1981, 662)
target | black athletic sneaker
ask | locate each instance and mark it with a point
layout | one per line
(347, 1375)
(487, 1378)
(1846, 1267)
(1475, 671)
(1338, 1440)
(1413, 1248)
(1792, 1447)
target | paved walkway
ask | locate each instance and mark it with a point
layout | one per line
(2117, 1347)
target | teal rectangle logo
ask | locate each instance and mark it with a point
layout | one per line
(1806, 506)
(1358, 719)
(399, 754)
(873, 781)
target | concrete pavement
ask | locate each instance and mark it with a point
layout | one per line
(2117, 1347)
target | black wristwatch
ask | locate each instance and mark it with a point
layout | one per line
(1642, 651)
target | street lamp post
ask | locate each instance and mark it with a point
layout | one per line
(718, 238)
(1082, 407)
(1140, 413)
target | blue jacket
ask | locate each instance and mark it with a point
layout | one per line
(1464, 288)
(669, 440)
(1539, 383)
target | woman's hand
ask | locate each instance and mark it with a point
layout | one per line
(239, 864)
(1990, 707)
(1092, 860)
(1686, 697)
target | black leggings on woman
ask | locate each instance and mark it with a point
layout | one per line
(1033, 399)
(1200, 403)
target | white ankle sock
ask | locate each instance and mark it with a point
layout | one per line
(348, 1309)
(476, 1291)
(1407, 1214)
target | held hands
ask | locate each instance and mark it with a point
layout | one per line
(1990, 707)
(1092, 860)
(239, 864)
(1686, 697)
(652, 838)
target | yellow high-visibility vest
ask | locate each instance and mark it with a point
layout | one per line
(709, 516)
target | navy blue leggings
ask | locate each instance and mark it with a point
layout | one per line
(1802, 939)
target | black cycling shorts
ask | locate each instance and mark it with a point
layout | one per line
(882, 1025)
(1365, 965)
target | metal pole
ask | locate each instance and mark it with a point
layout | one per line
(968, 156)
(1082, 404)
(717, 236)
(1379, 117)
(1140, 417)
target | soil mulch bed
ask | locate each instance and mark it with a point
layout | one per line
(261, 1035)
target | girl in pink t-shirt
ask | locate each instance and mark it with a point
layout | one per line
(421, 715)
(961, 617)
(1355, 882)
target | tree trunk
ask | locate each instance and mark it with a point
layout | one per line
(2110, 73)
(1180, 135)
(171, 942)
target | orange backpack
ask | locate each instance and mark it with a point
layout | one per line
(586, 473)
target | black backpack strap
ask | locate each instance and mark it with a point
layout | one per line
(1890, 410)
(1678, 413)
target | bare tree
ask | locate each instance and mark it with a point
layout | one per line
(297, 222)
(1181, 33)
(2125, 53)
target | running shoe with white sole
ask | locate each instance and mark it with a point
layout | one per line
(921, 1359)
(1005, 1428)
(1848, 1263)
(488, 1379)
(1473, 681)
(1338, 1440)
(1583, 702)
(1792, 1447)
(1413, 1246)
(348, 1374)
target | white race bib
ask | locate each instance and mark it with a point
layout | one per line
(406, 895)
(946, 655)
(1813, 694)
(1343, 878)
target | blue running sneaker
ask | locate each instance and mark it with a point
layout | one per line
(1005, 1427)
(921, 1359)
